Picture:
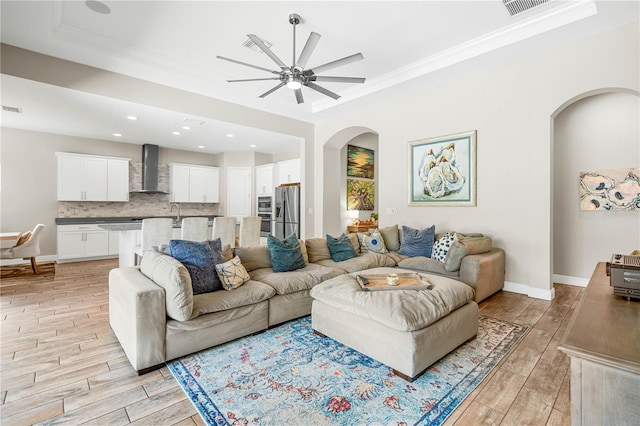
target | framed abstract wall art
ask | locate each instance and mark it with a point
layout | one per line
(360, 194)
(360, 162)
(442, 170)
(617, 189)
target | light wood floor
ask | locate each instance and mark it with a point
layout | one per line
(61, 364)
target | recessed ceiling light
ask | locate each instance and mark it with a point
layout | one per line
(229, 135)
(132, 117)
(201, 146)
(252, 146)
(176, 133)
(186, 127)
(98, 7)
(117, 135)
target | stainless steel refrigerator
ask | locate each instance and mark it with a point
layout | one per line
(287, 211)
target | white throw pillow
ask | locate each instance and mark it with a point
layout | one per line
(173, 276)
(374, 242)
(441, 247)
(232, 274)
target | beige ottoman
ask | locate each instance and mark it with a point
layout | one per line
(407, 330)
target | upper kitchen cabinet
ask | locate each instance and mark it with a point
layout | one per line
(289, 171)
(92, 178)
(194, 184)
(264, 180)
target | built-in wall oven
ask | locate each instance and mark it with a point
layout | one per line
(265, 211)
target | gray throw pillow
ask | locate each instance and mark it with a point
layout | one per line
(391, 237)
(417, 242)
(454, 256)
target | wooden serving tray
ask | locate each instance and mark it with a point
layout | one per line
(406, 281)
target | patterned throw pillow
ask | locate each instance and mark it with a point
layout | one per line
(232, 274)
(286, 255)
(341, 249)
(200, 258)
(441, 247)
(374, 242)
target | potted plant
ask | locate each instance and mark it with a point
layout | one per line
(374, 217)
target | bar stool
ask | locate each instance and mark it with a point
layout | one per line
(225, 229)
(250, 231)
(195, 229)
(155, 232)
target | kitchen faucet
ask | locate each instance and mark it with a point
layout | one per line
(177, 219)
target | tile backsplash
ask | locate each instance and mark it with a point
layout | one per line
(138, 204)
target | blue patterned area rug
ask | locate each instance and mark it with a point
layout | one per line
(289, 375)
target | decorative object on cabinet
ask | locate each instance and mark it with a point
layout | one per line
(225, 228)
(195, 229)
(360, 194)
(26, 248)
(442, 170)
(610, 189)
(155, 232)
(249, 231)
(360, 162)
(92, 178)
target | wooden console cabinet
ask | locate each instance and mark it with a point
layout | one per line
(603, 342)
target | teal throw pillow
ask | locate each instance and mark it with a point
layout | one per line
(417, 242)
(286, 255)
(341, 248)
(200, 259)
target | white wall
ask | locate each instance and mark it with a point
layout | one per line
(510, 104)
(596, 133)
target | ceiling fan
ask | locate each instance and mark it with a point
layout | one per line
(296, 76)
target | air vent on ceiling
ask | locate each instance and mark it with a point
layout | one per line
(193, 122)
(11, 109)
(516, 7)
(253, 46)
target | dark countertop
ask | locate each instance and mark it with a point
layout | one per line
(118, 219)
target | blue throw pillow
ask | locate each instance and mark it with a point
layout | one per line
(200, 258)
(286, 255)
(417, 242)
(341, 248)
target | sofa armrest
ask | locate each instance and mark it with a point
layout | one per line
(137, 315)
(484, 272)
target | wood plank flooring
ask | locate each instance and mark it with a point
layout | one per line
(61, 364)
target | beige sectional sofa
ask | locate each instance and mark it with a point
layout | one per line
(156, 318)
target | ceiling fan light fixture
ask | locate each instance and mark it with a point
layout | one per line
(294, 84)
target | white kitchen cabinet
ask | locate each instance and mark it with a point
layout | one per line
(239, 191)
(289, 171)
(194, 184)
(92, 178)
(264, 180)
(82, 241)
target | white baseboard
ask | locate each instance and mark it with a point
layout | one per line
(39, 259)
(536, 293)
(564, 279)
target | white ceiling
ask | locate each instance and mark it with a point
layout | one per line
(175, 43)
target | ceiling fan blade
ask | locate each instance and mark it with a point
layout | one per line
(270, 91)
(248, 65)
(308, 49)
(337, 79)
(253, 79)
(322, 90)
(334, 64)
(266, 50)
(299, 97)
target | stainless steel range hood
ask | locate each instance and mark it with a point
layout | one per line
(150, 170)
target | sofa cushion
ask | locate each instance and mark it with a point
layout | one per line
(232, 274)
(341, 248)
(391, 237)
(442, 245)
(200, 259)
(293, 281)
(249, 293)
(317, 249)
(454, 256)
(174, 278)
(254, 257)
(477, 245)
(417, 242)
(426, 264)
(374, 242)
(286, 254)
(361, 262)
